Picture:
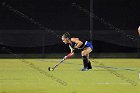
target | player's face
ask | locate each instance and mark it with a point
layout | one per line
(65, 40)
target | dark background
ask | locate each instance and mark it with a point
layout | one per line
(20, 34)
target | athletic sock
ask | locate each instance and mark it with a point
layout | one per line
(89, 65)
(85, 62)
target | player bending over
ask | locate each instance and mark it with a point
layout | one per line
(76, 44)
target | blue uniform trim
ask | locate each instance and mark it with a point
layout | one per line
(88, 44)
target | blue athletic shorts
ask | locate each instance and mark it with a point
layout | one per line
(88, 44)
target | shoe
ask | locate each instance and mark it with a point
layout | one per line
(85, 69)
(89, 67)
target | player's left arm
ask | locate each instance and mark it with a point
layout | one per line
(77, 41)
(78, 44)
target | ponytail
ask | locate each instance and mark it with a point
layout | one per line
(66, 35)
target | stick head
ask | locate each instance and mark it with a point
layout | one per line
(50, 69)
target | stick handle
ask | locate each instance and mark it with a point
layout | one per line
(59, 63)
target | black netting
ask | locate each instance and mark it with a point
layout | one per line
(28, 38)
(114, 22)
(110, 36)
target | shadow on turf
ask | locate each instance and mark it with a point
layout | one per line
(113, 68)
(41, 71)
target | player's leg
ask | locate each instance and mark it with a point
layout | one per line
(88, 51)
(89, 63)
(85, 54)
(85, 60)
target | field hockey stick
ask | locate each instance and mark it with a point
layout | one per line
(66, 57)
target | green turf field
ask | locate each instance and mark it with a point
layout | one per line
(32, 76)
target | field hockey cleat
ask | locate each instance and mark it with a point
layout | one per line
(85, 69)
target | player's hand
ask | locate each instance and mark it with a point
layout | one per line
(69, 55)
(65, 58)
(75, 50)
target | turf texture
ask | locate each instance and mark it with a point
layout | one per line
(32, 76)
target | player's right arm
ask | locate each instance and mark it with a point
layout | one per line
(71, 49)
(70, 54)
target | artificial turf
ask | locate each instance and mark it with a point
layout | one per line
(32, 76)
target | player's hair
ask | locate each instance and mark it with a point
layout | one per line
(66, 35)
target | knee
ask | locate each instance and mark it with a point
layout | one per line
(83, 53)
